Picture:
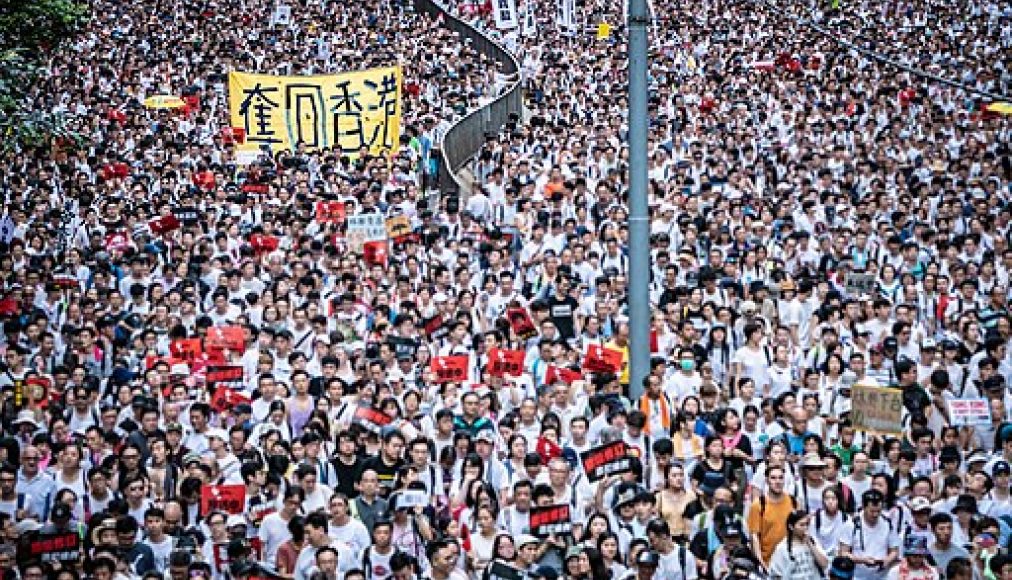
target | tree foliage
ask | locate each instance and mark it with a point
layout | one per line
(29, 32)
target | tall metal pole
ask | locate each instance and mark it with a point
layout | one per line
(639, 218)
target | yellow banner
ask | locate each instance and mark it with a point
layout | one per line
(355, 111)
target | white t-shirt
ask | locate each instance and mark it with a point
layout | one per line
(273, 532)
(866, 539)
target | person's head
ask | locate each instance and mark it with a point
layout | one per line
(316, 528)
(797, 524)
(326, 561)
(941, 527)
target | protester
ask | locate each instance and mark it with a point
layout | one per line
(250, 392)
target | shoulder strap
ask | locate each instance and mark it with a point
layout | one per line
(681, 561)
(21, 501)
(367, 562)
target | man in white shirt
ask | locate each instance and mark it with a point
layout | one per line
(869, 539)
(274, 528)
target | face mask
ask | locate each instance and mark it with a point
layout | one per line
(688, 365)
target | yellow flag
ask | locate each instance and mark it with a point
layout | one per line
(603, 31)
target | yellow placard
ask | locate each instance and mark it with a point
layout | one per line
(164, 102)
(1003, 108)
(356, 111)
(398, 226)
(603, 31)
(877, 409)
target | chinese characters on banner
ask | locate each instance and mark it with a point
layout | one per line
(351, 110)
(505, 13)
(877, 409)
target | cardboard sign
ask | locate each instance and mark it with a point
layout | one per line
(226, 398)
(857, 283)
(969, 412)
(372, 418)
(505, 362)
(450, 368)
(521, 323)
(499, 570)
(330, 212)
(230, 499)
(605, 460)
(223, 374)
(232, 338)
(52, 547)
(602, 360)
(186, 349)
(364, 228)
(551, 519)
(563, 374)
(398, 226)
(877, 409)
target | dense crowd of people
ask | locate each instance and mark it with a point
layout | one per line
(195, 401)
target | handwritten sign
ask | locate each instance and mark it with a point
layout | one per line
(877, 409)
(606, 460)
(551, 519)
(230, 499)
(970, 412)
(352, 111)
(370, 227)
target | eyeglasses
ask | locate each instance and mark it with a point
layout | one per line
(30, 458)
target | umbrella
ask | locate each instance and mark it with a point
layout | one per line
(164, 102)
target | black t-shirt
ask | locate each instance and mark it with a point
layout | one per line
(347, 475)
(387, 473)
(563, 312)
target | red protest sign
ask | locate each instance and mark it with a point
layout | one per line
(330, 212)
(232, 338)
(9, 307)
(550, 519)
(230, 499)
(505, 362)
(225, 398)
(163, 224)
(521, 323)
(602, 360)
(186, 349)
(563, 374)
(262, 243)
(372, 418)
(374, 253)
(605, 460)
(117, 241)
(204, 180)
(450, 368)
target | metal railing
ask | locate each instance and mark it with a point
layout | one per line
(464, 139)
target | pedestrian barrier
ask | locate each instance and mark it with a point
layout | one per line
(464, 139)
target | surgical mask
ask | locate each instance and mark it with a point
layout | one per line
(687, 365)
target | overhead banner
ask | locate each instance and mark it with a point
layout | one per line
(506, 17)
(352, 111)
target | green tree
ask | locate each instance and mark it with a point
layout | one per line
(30, 31)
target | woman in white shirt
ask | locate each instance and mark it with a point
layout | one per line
(827, 522)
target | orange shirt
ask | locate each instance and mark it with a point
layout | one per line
(770, 524)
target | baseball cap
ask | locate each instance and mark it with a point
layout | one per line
(919, 504)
